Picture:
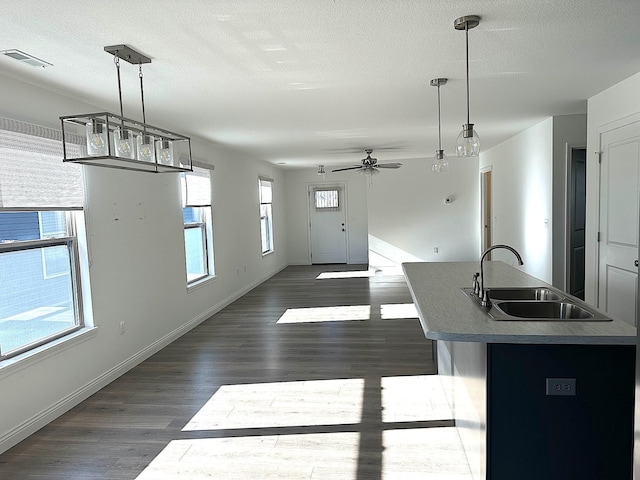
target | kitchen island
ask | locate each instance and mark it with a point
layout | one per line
(500, 378)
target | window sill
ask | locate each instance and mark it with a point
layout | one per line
(265, 254)
(200, 283)
(17, 363)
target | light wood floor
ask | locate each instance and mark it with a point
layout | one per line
(302, 378)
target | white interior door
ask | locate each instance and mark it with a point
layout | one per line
(619, 217)
(328, 224)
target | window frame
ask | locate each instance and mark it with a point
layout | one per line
(70, 240)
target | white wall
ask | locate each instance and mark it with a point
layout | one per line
(401, 215)
(612, 105)
(297, 213)
(137, 271)
(529, 175)
(408, 217)
(522, 197)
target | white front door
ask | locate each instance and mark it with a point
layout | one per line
(328, 224)
(619, 216)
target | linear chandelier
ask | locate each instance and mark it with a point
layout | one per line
(468, 142)
(440, 161)
(114, 141)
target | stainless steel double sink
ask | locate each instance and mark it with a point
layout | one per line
(536, 304)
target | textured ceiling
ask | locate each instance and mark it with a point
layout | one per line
(316, 82)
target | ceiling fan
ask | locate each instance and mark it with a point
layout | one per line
(370, 165)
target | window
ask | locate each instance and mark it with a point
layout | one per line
(198, 231)
(38, 299)
(266, 214)
(326, 198)
(40, 201)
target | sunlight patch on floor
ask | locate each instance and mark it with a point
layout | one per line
(318, 406)
(414, 398)
(348, 274)
(390, 270)
(398, 311)
(425, 454)
(326, 314)
(306, 456)
(281, 404)
(384, 265)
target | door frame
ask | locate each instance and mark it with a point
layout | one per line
(486, 203)
(343, 186)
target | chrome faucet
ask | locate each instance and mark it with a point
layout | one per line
(483, 293)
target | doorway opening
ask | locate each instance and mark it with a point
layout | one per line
(486, 210)
(576, 215)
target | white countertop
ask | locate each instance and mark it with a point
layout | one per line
(446, 313)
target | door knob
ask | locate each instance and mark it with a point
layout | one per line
(635, 264)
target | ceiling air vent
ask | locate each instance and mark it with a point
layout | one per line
(25, 58)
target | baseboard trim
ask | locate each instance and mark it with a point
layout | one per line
(35, 423)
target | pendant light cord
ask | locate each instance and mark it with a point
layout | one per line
(117, 61)
(144, 118)
(466, 32)
(439, 125)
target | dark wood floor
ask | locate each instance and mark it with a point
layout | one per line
(330, 394)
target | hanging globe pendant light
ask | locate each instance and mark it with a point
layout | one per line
(440, 161)
(468, 142)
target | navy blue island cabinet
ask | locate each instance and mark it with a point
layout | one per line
(560, 412)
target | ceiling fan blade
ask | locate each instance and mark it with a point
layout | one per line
(347, 168)
(389, 147)
(388, 165)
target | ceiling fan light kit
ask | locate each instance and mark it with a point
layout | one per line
(114, 141)
(440, 161)
(468, 142)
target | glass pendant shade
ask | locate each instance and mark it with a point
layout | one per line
(440, 162)
(123, 142)
(146, 148)
(164, 151)
(96, 139)
(468, 142)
